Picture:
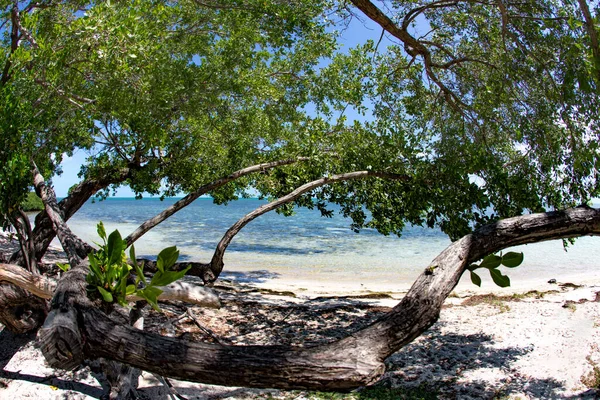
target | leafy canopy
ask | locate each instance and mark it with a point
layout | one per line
(487, 110)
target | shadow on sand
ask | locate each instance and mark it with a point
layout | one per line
(11, 343)
(258, 276)
(434, 363)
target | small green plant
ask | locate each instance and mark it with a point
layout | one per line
(500, 305)
(491, 263)
(377, 393)
(110, 273)
(63, 267)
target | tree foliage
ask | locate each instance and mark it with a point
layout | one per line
(466, 101)
(467, 113)
(495, 105)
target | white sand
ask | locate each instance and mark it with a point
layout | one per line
(528, 349)
(534, 348)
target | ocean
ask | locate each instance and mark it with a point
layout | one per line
(309, 248)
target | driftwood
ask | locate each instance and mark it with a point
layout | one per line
(44, 287)
(342, 365)
(21, 311)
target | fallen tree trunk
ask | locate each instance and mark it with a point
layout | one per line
(75, 329)
(21, 311)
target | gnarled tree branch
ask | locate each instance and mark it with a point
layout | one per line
(75, 248)
(44, 287)
(43, 231)
(342, 365)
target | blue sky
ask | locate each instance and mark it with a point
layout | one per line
(357, 32)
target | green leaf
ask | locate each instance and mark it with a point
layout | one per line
(491, 261)
(132, 255)
(169, 256)
(499, 279)
(95, 269)
(512, 259)
(139, 270)
(168, 277)
(130, 290)
(115, 248)
(63, 267)
(475, 279)
(106, 295)
(101, 231)
(473, 267)
(151, 294)
(121, 289)
(160, 265)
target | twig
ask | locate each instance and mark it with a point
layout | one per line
(172, 391)
(204, 329)
(287, 315)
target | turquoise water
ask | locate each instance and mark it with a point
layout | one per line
(307, 246)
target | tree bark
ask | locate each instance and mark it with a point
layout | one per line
(38, 285)
(590, 27)
(44, 287)
(342, 365)
(20, 222)
(20, 311)
(216, 264)
(76, 249)
(43, 231)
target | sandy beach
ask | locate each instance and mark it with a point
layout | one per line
(532, 341)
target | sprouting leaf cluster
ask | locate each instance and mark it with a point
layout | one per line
(491, 263)
(110, 276)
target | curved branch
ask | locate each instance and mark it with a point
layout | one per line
(38, 285)
(25, 31)
(14, 45)
(415, 12)
(342, 365)
(590, 27)
(187, 200)
(216, 264)
(413, 47)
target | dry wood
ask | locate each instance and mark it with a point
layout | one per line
(43, 232)
(20, 311)
(44, 287)
(38, 285)
(75, 248)
(345, 364)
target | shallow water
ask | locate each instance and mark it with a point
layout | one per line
(307, 246)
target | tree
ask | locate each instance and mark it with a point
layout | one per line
(494, 108)
(176, 95)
